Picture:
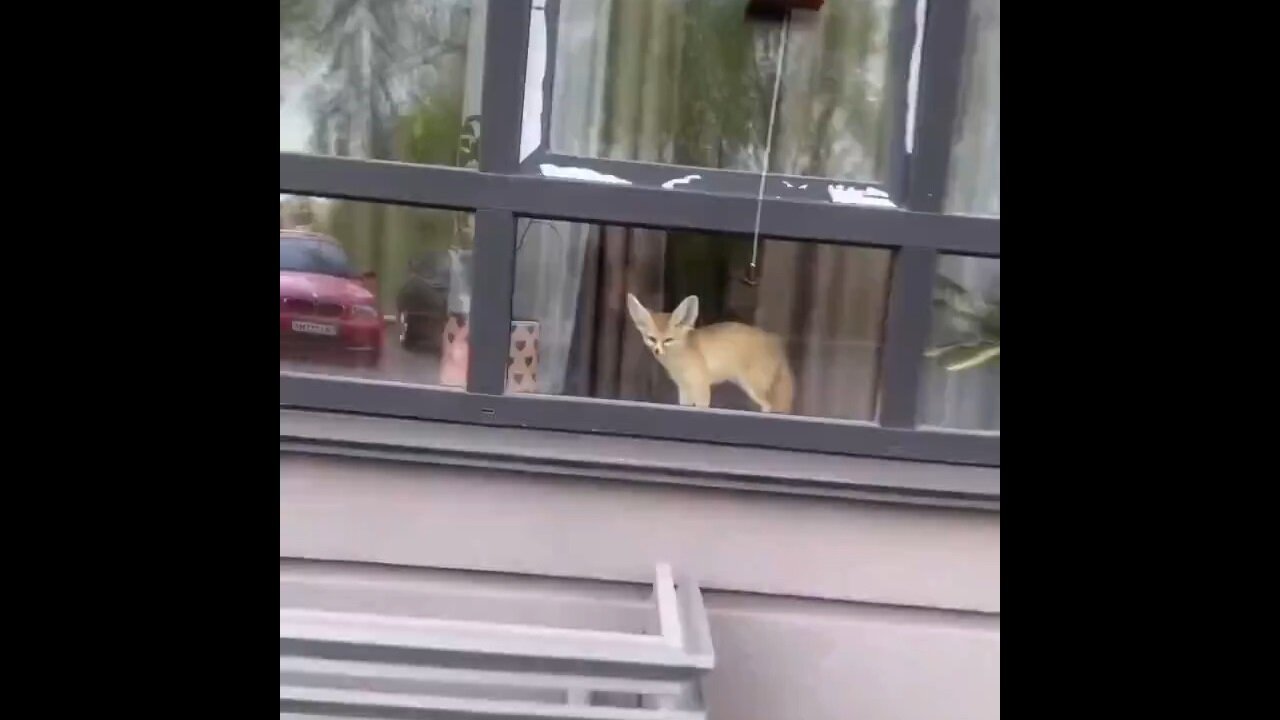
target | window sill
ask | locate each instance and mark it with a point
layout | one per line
(640, 460)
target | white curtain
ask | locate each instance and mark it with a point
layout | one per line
(550, 255)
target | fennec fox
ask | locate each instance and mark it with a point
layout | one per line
(697, 358)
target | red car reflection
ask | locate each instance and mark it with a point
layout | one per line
(325, 313)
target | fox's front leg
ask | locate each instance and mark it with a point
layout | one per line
(694, 393)
(700, 394)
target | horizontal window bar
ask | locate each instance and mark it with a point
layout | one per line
(634, 459)
(400, 183)
(596, 202)
(715, 181)
(318, 392)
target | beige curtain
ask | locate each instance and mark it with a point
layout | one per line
(829, 301)
(623, 261)
(638, 117)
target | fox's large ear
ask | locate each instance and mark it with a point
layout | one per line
(639, 315)
(686, 313)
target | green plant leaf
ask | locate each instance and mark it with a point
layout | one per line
(957, 358)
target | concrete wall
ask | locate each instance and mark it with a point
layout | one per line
(820, 608)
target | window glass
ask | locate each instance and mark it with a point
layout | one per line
(382, 79)
(962, 369)
(371, 290)
(690, 82)
(302, 253)
(606, 312)
(974, 182)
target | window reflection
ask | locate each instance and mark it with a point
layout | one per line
(962, 369)
(382, 79)
(371, 290)
(974, 183)
(690, 82)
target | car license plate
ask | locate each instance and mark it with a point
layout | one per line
(311, 328)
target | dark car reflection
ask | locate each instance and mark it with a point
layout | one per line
(423, 302)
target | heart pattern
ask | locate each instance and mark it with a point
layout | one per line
(522, 356)
(522, 365)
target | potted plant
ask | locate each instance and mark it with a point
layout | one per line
(972, 324)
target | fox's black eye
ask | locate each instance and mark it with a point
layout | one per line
(652, 339)
(667, 341)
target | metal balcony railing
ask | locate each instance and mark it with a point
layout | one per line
(338, 664)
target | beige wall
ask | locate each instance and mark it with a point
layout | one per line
(820, 608)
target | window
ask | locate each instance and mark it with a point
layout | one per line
(963, 372)
(313, 255)
(376, 291)
(382, 79)
(974, 183)
(801, 335)
(689, 82)
(841, 290)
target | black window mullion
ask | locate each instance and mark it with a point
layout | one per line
(907, 326)
(493, 259)
(910, 314)
(536, 158)
(502, 101)
(494, 264)
(937, 103)
(901, 44)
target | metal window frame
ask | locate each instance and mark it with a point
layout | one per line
(504, 190)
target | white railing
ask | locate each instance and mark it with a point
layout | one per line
(337, 664)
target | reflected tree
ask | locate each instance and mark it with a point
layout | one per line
(386, 82)
(386, 59)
